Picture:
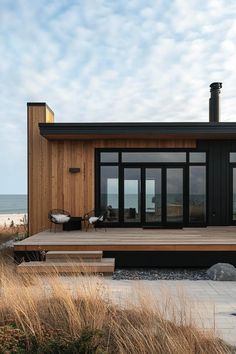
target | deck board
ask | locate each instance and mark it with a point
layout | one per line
(189, 239)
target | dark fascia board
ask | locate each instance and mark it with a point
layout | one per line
(191, 129)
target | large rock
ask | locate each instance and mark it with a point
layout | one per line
(222, 271)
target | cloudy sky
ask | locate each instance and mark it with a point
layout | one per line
(106, 60)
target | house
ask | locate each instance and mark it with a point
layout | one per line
(147, 175)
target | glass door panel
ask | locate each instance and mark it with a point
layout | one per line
(153, 195)
(132, 195)
(109, 198)
(234, 195)
(174, 195)
(197, 194)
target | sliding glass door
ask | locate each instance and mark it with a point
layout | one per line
(174, 195)
(154, 188)
(233, 194)
(153, 195)
(109, 196)
(132, 195)
(197, 194)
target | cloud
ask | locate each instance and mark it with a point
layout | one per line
(97, 60)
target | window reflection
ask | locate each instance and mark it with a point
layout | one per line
(197, 194)
(153, 195)
(109, 201)
(132, 194)
(174, 186)
(197, 157)
(232, 157)
(158, 157)
(234, 194)
(109, 156)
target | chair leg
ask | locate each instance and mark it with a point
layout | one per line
(86, 225)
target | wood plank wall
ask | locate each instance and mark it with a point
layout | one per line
(75, 192)
(39, 168)
(51, 185)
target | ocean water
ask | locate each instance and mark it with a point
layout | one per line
(17, 203)
(13, 203)
(132, 200)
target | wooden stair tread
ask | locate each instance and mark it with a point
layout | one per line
(75, 252)
(73, 260)
(106, 265)
(76, 256)
(58, 256)
(42, 264)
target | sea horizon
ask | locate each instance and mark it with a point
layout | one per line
(13, 204)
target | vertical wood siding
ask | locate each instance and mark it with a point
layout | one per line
(39, 169)
(51, 185)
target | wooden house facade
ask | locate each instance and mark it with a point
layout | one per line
(149, 175)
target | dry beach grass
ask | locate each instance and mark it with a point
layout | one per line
(8, 233)
(43, 315)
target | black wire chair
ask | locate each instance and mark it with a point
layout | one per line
(51, 217)
(91, 219)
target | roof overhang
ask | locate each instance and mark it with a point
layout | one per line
(91, 131)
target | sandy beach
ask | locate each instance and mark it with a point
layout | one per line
(6, 219)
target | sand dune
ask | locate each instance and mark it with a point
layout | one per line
(6, 219)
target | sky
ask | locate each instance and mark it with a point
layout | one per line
(110, 61)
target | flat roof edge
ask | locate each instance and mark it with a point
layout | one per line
(152, 130)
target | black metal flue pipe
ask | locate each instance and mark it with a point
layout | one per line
(214, 102)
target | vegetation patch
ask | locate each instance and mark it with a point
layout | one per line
(49, 315)
(12, 232)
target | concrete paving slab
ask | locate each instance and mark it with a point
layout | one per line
(214, 302)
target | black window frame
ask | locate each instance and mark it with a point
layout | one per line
(121, 165)
(231, 165)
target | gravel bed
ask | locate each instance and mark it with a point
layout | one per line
(160, 274)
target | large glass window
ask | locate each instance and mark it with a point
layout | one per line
(159, 157)
(153, 196)
(109, 197)
(132, 194)
(232, 156)
(109, 156)
(234, 194)
(196, 157)
(197, 194)
(174, 186)
(162, 187)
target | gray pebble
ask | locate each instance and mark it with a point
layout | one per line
(160, 274)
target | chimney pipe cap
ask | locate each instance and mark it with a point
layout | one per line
(216, 86)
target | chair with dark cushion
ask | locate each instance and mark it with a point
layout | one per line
(58, 217)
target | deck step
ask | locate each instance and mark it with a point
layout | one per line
(73, 256)
(106, 265)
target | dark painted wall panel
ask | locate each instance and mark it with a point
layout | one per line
(219, 188)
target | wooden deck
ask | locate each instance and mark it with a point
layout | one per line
(188, 239)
